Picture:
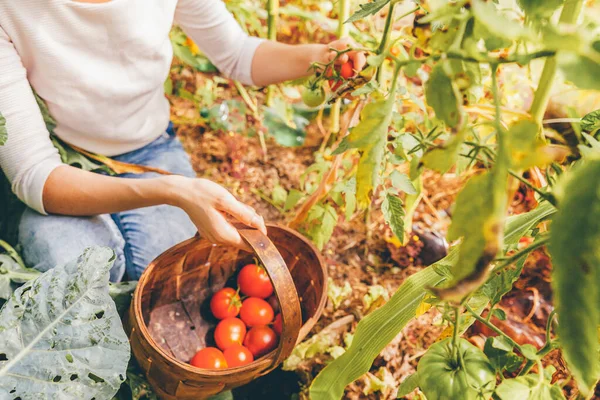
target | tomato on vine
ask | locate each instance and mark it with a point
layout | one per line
(209, 358)
(225, 303)
(229, 332)
(313, 97)
(254, 281)
(466, 374)
(347, 70)
(256, 311)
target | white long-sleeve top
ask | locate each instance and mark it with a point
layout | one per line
(100, 68)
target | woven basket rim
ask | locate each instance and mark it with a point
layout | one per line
(263, 362)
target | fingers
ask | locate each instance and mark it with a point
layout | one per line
(359, 59)
(242, 212)
(222, 232)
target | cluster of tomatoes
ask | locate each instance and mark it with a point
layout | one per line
(247, 329)
(314, 94)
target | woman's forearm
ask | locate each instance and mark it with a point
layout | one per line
(71, 191)
(276, 62)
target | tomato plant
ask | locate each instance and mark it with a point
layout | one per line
(260, 340)
(229, 332)
(256, 311)
(225, 303)
(254, 281)
(209, 358)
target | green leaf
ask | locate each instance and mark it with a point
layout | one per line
(3, 131)
(581, 70)
(518, 225)
(367, 9)
(349, 191)
(528, 387)
(321, 232)
(491, 41)
(292, 199)
(591, 121)
(71, 157)
(530, 352)
(12, 274)
(48, 119)
(540, 8)
(121, 294)
(591, 151)
(408, 385)
(443, 96)
(168, 86)
(473, 219)
(61, 334)
(402, 182)
(286, 133)
(502, 282)
(497, 23)
(393, 214)
(279, 195)
(442, 158)
(576, 270)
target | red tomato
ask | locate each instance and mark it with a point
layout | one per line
(260, 340)
(334, 84)
(209, 358)
(254, 281)
(229, 332)
(273, 302)
(278, 324)
(225, 303)
(347, 70)
(256, 311)
(237, 355)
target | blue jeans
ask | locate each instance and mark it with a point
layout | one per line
(136, 236)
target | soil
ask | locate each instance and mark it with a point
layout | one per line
(358, 252)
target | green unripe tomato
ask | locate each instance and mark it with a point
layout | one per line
(442, 377)
(313, 97)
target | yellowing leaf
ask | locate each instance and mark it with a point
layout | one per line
(528, 149)
(369, 137)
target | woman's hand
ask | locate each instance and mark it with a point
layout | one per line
(209, 205)
(358, 58)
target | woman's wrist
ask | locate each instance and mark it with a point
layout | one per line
(170, 190)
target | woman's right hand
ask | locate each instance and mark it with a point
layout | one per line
(209, 204)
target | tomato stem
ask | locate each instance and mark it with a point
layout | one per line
(493, 328)
(272, 17)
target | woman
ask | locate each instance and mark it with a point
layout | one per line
(100, 66)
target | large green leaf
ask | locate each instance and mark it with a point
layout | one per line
(61, 336)
(442, 158)
(526, 146)
(443, 96)
(377, 329)
(575, 250)
(3, 131)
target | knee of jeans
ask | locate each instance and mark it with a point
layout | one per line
(51, 240)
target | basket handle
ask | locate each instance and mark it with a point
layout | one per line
(285, 289)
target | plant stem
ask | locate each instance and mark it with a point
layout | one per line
(13, 253)
(493, 328)
(505, 262)
(455, 333)
(568, 15)
(343, 14)
(272, 16)
(546, 196)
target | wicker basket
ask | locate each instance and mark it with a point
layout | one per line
(168, 320)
